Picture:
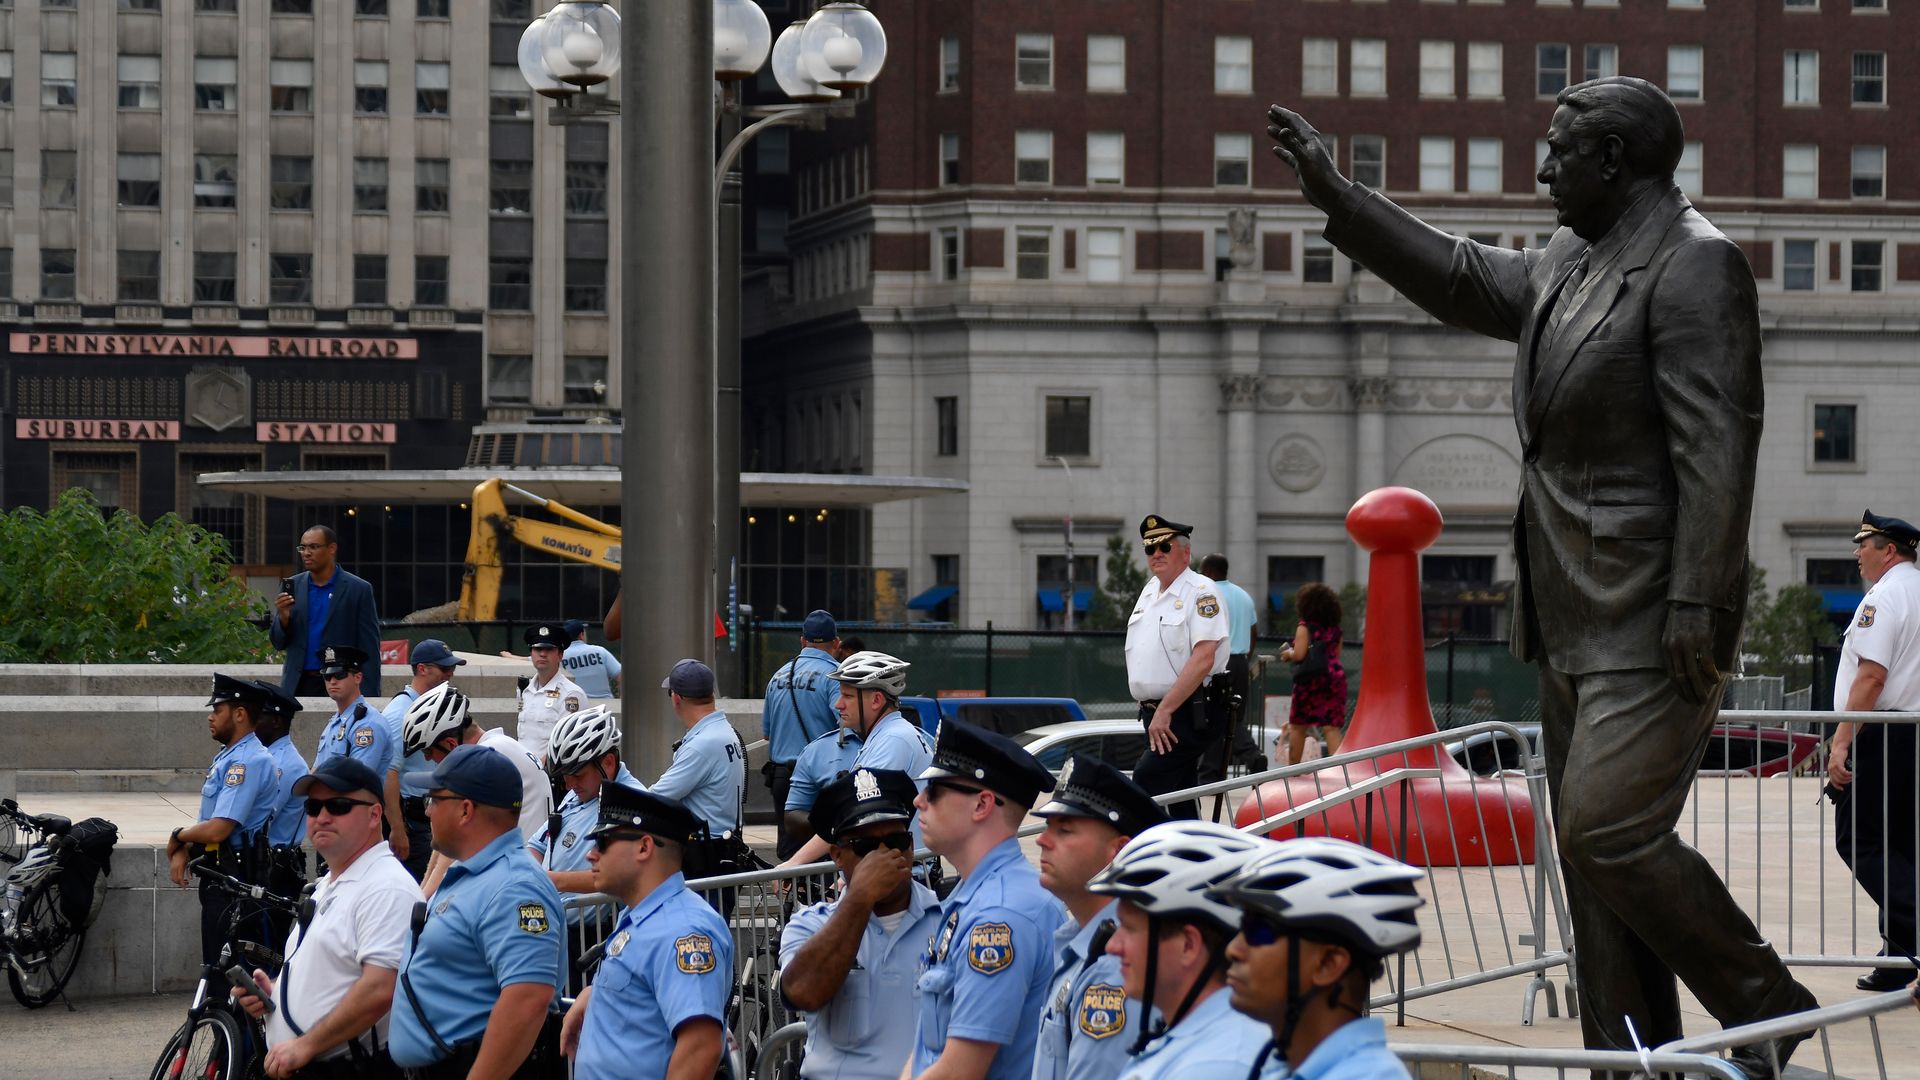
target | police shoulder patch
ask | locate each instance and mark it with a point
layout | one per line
(533, 918)
(990, 947)
(1103, 1010)
(363, 736)
(1207, 606)
(236, 774)
(693, 954)
(567, 840)
(573, 704)
(1866, 615)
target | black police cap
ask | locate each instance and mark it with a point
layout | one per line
(863, 797)
(987, 758)
(1091, 788)
(1893, 528)
(545, 634)
(624, 808)
(276, 700)
(341, 660)
(227, 688)
(1154, 529)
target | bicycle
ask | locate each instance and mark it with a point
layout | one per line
(48, 898)
(219, 1041)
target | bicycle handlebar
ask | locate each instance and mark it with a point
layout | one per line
(235, 887)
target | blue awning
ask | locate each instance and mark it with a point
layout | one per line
(1050, 600)
(1840, 601)
(933, 598)
(1278, 599)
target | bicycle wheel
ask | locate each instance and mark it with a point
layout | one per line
(13, 845)
(44, 946)
(210, 1048)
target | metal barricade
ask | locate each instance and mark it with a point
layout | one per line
(1478, 1062)
(1844, 1040)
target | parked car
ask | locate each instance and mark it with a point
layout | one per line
(1006, 715)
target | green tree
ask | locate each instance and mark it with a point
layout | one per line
(1780, 631)
(1113, 601)
(1353, 610)
(81, 586)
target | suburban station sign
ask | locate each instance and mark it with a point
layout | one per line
(99, 430)
(323, 431)
(195, 346)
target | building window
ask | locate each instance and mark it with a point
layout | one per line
(1285, 575)
(1033, 157)
(1549, 69)
(512, 186)
(1106, 63)
(1801, 81)
(213, 277)
(508, 95)
(770, 229)
(1869, 78)
(370, 87)
(1686, 73)
(59, 179)
(1320, 67)
(1483, 166)
(1367, 67)
(370, 7)
(57, 273)
(584, 380)
(1106, 158)
(586, 285)
(369, 185)
(1436, 69)
(139, 82)
(1233, 65)
(1833, 434)
(139, 176)
(290, 279)
(510, 282)
(430, 185)
(1603, 61)
(1232, 160)
(1316, 264)
(1800, 172)
(1369, 164)
(293, 7)
(512, 10)
(290, 86)
(949, 63)
(139, 277)
(139, 5)
(6, 79)
(228, 6)
(773, 152)
(1483, 69)
(216, 83)
(434, 9)
(1803, 5)
(949, 254)
(59, 86)
(1033, 61)
(1104, 246)
(1033, 254)
(1689, 174)
(215, 179)
(509, 379)
(1833, 573)
(430, 280)
(946, 412)
(949, 158)
(292, 183)
(1436, 163)
(430, 84)
(1050, 581)
(1869, 263)
(370, 280)
(1869, 172)
(1798, 265)
(1069, 432)
(587, 189)
(6, 178)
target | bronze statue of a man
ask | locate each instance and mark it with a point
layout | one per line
(1637, 394)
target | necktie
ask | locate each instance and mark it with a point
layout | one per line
(1564, 302)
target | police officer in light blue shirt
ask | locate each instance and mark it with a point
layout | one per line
(591, 667)
(986, 974)
(825, 760)
(851, 965)
(798, 708)
(1088, 1030)
(482, 971)
(433, 664)
(287, 827)
(355, 730)
(709, 770)
(585, 754)
(235, 802)
(659, 998)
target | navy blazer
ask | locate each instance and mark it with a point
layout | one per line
(351, 620)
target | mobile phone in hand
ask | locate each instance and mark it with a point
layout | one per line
(286, 585)
(243, 982)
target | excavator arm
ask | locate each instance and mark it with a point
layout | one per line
(594, 543)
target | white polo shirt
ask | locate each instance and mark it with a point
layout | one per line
(536, 792)
(1165, 627)
(542, 706)
(1885, 630)
(361, 916)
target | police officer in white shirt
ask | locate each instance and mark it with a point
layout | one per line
(1176, 641)
(334, 993)
(550, 695)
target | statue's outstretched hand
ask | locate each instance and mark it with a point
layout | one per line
(1300, 146)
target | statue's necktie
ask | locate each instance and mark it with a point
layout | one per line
(1563, 304)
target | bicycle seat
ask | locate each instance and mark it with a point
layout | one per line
(52, 824)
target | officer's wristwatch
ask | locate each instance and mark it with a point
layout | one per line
(174, 836)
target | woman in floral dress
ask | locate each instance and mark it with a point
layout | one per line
(1319, 701)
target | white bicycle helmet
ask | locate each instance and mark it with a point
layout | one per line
(439, 712)
(581, 738)
(871, 670)
(1325, 887)
(1167, 870)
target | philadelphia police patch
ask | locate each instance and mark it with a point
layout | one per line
(236, 774)
(573, 704)
(1207, 606)
(990, 947)
(694, 954)
(363, 736)
(533, 918)
(1866, 616)
(1103, 1010)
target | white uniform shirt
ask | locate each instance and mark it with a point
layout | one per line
(536, 793)
(541, 707)
(1164, 629)
(1885, 630)
(362, 916)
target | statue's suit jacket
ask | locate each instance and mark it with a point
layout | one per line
(1639, 419)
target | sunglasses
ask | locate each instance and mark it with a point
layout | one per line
(431, 799)
(938, 786)
(1162, 547)
(339, 806)
(1259, 930)
(862, 846)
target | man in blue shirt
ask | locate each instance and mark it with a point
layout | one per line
(1243, 631)
(709, 770)
(659, 998)
(1319, 917)
(235, 803)
(799, 708)
(985, 981)
(323, 604)
(480, 975)
(355, 731)
(593, 668)
(852, 965)
(433, 664)
(825, 760)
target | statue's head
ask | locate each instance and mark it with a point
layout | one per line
(1608, 138)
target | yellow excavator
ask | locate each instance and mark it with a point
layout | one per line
(595, 543)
